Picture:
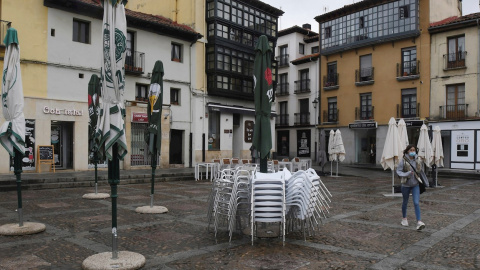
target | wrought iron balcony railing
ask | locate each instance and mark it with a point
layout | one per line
(281, 120)
(364, 75)
(302, 119)
(302, 86)
(367, 114)
(455, 60)
(408, 112)
(282, 89)
(135, 64)
(408, 69)
(330, 117)
(330, 80)
(282, 60)
(454, 112)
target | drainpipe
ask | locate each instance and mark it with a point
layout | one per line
(478, 71)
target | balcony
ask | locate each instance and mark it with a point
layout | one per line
(282, 60)
(302, 119)
(364, 115)
(364, 76)
(330, 118)
(135, 64)
(454, 112)
(3, 31)
(281, 120)
(330, 82)
(408, 113)
(409, 71)
(454, 60)
(302, 86)
(282, 89)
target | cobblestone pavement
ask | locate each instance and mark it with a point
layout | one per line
(363, 230)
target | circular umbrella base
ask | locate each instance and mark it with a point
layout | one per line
(27, 228)
(151, 210)
(97, 196)
(126, 260)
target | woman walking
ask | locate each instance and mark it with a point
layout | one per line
(406, 169)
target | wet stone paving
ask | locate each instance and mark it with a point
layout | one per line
(363, 229)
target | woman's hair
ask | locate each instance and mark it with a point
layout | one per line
(408, 148)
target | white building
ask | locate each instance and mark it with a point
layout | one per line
(297, 92)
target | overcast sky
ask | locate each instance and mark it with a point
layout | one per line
(298, 12)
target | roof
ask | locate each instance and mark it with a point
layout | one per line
(454, 22)
(296, 29)
(306, 58)
(148, 22)
(348, 9)
(311, 39)
(265, 7)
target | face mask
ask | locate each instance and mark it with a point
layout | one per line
(412, 154)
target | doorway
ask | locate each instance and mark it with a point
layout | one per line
(61, 137)
(283, 143)
(176, 146)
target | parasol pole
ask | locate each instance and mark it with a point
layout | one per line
(114, 180)
(17, 164)
(95, 163)
(331, 168)
(337, 167)
(153, 151)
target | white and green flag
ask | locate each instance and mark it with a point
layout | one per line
(12, 132)
(111, 121)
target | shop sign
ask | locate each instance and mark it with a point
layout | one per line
(248, 131)
(363, 125)
(57, 111)
(414, 123)
(139, 117)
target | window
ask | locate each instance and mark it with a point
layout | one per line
(403, 12)
(141, 92)
(304, 81)
(361, 22)
(283, 113)
(456, 52)
(283, 86)
(81, 31)
(328, 32)
(332, 109)
(301, 48)
(366, 70)
(304, 111)
(176, 52)
(456, 107)
(409, 103)
(315, 49)
(409, 61)
(332, 77)
(283, 56)
(213, 130)
(129, 55)
(211, 9)
(174, 96)
(366, 111)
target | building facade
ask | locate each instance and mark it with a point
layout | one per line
(63, 49)
(222, 106)
(375, 64)
(297, 92)
(455, 89)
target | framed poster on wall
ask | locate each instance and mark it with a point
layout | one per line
(462, 149)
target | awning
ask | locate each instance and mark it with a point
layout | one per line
(234, 109)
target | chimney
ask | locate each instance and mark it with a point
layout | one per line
(307, 26)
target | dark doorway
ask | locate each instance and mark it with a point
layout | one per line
(176, 146)
(283, 141)
(61, 137)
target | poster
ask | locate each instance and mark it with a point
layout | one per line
(28, 163)
(303, 143)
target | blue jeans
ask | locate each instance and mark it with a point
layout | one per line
(416, 200)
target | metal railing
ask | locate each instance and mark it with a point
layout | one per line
(330, 80)
(282, 60)
(3, 30)
(139, 155)
(407, 113)
(281, 120)
(330, 118)
(365, 115)
(411, 68)
(455, 60)
(454, 112)
(302, 119)
(302, 86)
(282, 89)
(135, 63)
(364, 74)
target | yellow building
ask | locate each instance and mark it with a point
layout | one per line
(375, 65)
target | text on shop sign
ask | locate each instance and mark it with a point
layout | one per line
(58, 111)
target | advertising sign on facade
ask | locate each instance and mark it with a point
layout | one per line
(139, 117)
(248, 131)
(362, 125)
(462, 149)
(303, 143)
